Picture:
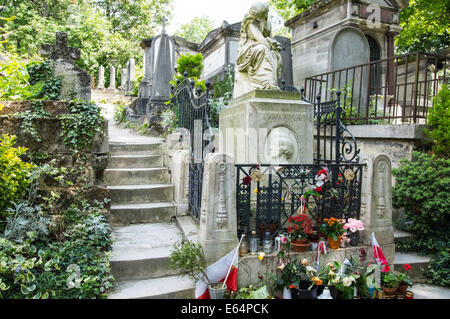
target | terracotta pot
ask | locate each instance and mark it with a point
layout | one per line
(334, 244)
(390, 291)
(402, 287)
(300, 245)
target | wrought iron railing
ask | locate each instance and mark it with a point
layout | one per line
(192, 107)
(395, 90)
(268, 203)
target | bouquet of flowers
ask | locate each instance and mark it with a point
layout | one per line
(332, 227)
(300, 226)
(353, 225)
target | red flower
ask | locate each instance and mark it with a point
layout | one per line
(292, 286)
(386, 269)
(407, 267)
(289, 229)
(318, 189)
(247, 180)
(324, 172)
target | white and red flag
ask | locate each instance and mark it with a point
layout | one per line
(217, 272)
(377, 252)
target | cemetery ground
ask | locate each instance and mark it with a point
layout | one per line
(331, 185)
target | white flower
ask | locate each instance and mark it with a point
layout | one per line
(305, 262)
(330, 265)
(336, 280)
(310, 269)
(331, 273)
(347, 281)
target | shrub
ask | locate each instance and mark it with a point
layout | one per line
(423, 189)
(120, 111)
(439, 123)
(14, 175)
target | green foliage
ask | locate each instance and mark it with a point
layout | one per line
(120, 111)
(192, 64)
(81, 124)
(438, 270)
(290, 8)
(439, 123)
(195, 30)
(169, 121)
(189, 258)
(39, 269)
(14, 80)
(222, 95)
(28, 117)
(14, 175)
(423, 189)
(424, 26)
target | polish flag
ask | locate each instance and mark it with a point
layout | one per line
(217, 272)
(377, 252)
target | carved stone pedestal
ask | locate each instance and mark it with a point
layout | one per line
(268, 127)
(218, 223)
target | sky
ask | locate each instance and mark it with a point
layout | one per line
(218, 10)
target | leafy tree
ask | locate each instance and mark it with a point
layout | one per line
(196, 30)
(290, 8)
(439, 123)
(425, 26)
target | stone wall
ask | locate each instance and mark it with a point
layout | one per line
(85, 171)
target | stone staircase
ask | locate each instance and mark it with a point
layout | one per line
(143, 229)
(418, 262)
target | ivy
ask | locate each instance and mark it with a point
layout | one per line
(80, 125)
(28, 119)
(42, 73)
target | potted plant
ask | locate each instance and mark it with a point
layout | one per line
(299, 229)
(389, 279)
(308, 281)
(353, 226)
(328, 274)
(404, 279)
(334, 229)
(189, 259)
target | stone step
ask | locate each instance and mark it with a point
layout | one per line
(171, 287)
(136, 161)
(136, 176)
(157, 193)
(126, 214)
(142, 251)
(116, 149)
(400, 235)
(417, 262)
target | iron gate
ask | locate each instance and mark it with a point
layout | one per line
(192, 107)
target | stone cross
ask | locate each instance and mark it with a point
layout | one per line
(112, 78)
(60, 50)
(101, 77)
(164, 21)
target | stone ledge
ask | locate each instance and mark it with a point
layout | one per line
(403, 131)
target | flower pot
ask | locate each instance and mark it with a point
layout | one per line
(334, 244)
(333, 290)
(354, 239)
(402, 287)
(389, 290)
(287, 293)
(300, 245)
(302, 291)
(217, 291)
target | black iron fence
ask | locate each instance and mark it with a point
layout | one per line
(192, 107)
(329, 190)
(395, 90)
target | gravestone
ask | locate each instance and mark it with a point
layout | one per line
(101, 77)
(112, 78)
(76, 83)
(286, 60)
(131, 75)
(123, 79)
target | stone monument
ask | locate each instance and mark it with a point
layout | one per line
(258, 64)
(112, 78)
(262, 123)
(76, 83)
(131, 75)
(101, 77)
(123, 79)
